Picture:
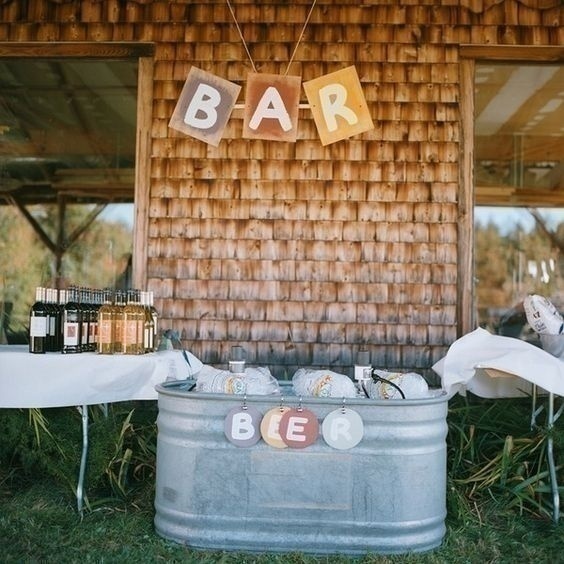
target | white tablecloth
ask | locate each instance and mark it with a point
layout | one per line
(493, 366)
(57, 380)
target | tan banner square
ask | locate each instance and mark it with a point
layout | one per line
(204, 106)
(271, 107)
(338, 105)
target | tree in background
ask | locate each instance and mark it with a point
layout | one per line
(493, 259)
(511, 264)
(94, 260)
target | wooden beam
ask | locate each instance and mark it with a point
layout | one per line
(534, 148)
(528, 54)
(142, 171)
(509, 196)
(36, 226)
(74, 49)
(465, 263)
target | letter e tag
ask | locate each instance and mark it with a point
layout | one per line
(299, 428)
(270, 427)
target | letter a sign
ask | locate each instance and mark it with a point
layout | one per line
(338, 105)
(271, 108)
(204, 106)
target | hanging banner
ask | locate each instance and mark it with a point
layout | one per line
(271, 107)
(336, 101)
(338, 105)
(204, 106)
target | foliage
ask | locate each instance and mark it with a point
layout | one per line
(21, 264)
(509, 264)
(39, 524)
(121, 453)
(95, 259)
(497, 508)
(495, 455)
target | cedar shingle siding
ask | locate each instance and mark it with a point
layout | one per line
(301, 253)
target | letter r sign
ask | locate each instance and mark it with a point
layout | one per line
(338, 105)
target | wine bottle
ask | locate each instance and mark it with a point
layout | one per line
(155, 317)
(84, 309)
(52, 327)
(130, 324)
(93, 325)
(106, 325)
(140, 346)
(148, 326)
(118, 313)
(38, 320)
(99, 301)
(61, 307)
(72, 323)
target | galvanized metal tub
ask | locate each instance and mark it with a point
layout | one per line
(386, 495)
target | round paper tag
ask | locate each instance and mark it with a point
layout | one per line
(299, 428)
(342, 429)
(270, 427)
(242, 426)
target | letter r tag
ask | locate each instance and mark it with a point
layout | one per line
(342, 429)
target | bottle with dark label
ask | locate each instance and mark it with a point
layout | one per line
(38, 322)
(72, 323)
(52, 326)
(61, 306)
(90, 297)
(97, 298)
(84, 309)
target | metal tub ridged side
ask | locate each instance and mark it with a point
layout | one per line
(386, 495)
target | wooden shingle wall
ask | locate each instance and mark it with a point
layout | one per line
(304, 254)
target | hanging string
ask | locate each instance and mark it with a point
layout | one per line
(295, 48)
(300, 37)
(241, 35)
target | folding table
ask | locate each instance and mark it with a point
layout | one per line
(494, 366)
(62, 380)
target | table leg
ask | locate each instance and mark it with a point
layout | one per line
(551, 465)
(82, 471)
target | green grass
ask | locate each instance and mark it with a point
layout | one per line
(39, 523)
(498, 508)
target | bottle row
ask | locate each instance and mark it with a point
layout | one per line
(77, 319)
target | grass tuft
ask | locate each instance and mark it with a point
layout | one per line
(498, 496)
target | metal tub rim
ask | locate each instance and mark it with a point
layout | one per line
(179, 389)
